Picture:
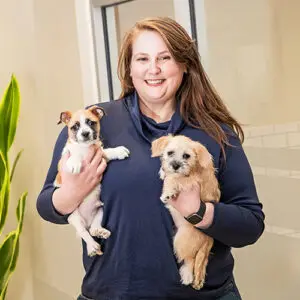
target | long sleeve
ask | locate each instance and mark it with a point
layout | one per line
(44, 202)
(238, 217)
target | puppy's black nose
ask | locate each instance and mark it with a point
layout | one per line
(175, 165)
(85, 134)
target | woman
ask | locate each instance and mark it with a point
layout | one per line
(164, 90)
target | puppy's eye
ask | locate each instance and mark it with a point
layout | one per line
(186, 156)
(90, 122)
(170, 153)
(75, 126)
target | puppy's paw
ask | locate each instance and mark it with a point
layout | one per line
(93, 248)
(186, 275)
(122, 152)
(73, 165)
(198, 285)
(100, 232)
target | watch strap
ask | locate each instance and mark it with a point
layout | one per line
(197, 217)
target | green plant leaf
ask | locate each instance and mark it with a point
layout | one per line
(3, 168)
(4, 192)
(9, 250)
(15, 164)
(6, 254)
(20, 216)
(9, 112)
(4, 294)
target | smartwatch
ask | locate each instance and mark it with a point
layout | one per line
(197, 217)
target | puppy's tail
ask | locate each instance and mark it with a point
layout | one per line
(201, 261)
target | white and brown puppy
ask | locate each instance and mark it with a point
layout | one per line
(186, 164)
(84, 131)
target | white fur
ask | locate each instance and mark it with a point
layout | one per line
(87, 218)
(186, 274)
(116, 153)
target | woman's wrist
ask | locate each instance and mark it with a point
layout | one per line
(208, 216)
(65, 201)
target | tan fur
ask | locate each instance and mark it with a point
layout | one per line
(191, 246)
(159, 145)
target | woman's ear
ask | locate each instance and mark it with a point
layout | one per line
(159, 145)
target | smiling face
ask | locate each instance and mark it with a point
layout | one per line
(155, 74)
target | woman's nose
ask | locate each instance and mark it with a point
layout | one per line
(154, 68)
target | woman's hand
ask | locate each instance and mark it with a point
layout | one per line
(188, 202)
(75, 187)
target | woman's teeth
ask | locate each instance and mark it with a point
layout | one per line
(157, 81)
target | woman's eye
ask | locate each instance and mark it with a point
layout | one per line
(142, 59)
(186, 156)
(170, 153)
(165, 57)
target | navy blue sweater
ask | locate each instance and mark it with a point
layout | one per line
(138, 260)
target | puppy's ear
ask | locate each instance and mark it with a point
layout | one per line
(204, 158)
(65, 117)
(97, 111)
(159, 145)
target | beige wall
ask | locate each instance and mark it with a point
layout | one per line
(253, 57)
(253, 61)
(39, 44)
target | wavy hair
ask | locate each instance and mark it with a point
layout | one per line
(201, 106)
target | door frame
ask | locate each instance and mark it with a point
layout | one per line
(97, 42)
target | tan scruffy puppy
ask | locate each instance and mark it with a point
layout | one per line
(84, 131)
(187, 164)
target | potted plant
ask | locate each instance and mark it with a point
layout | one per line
(9, 245)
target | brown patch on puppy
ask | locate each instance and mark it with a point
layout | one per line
(65, 117)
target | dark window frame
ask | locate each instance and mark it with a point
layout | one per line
(191, 4)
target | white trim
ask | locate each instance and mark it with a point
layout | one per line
(113, 49)
(86, 51)
(202, 33)
(182, 14)
(100, 55)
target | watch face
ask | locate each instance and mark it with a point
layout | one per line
(194, 219)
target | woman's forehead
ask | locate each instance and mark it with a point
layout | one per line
(148, 42)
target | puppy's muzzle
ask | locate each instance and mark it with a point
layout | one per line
(175, 165)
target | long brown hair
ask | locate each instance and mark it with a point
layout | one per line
(201, 106)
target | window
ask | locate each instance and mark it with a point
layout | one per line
(101, 27)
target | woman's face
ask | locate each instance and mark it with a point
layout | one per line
(155, 74)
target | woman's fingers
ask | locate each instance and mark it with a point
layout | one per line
(101, 168)
(90, 155)
(97, 159)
